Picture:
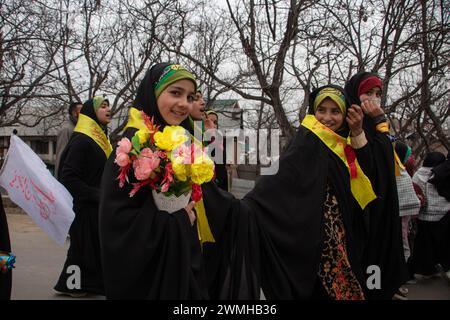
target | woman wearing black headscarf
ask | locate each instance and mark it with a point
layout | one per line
(299, 234)
(148, 253)
(432, 245)
(441, 178)
(212, 120)
(384, 248)
(82, 163)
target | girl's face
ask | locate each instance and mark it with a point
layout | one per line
(104, 113)
(175, 102)
(373, 94)
(198, 107)
(329, 114)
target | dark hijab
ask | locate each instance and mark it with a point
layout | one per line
(146, 99)
(351, 91)
(441, 178)
(432, 159)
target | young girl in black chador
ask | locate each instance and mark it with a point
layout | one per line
(148, 253)
(300, 233)
(80, 172)
(384, 247)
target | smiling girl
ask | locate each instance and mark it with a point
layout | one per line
(148, 253)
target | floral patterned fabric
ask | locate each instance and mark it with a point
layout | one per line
(335, 271)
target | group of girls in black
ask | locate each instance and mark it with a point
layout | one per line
(312, 230)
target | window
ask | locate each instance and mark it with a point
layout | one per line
(40, 147)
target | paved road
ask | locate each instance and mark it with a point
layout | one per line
(39, 262)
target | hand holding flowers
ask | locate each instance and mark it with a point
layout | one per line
(165, 160)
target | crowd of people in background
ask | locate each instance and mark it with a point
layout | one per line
(347, 196)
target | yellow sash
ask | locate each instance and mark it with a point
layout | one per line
(136, 121)
(360, 185)
(204, 231)
(91, 128)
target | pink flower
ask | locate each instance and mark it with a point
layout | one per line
(122, 159)
(124, 146)
(182, 154)
(143, 167)
(165, 187)
(147, 152)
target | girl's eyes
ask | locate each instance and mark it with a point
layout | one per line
(190, 98)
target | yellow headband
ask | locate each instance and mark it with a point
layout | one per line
(333, 94)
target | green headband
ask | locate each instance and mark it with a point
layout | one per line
(97, 101)
(171, 74)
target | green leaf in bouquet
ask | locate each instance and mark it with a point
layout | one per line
(136, 144)
(181, 188)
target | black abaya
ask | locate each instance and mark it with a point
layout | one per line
(82, 164)
(384, 248)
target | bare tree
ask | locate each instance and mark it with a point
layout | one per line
(27, 50)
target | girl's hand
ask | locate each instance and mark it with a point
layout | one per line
(372, 108)
(355, 119)
(190, 211)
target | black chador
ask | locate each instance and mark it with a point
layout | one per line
(147, 253)
(384, 248)
(278, 236)
(82, 164)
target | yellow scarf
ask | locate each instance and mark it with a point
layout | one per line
(136, 121)
(91, 128)
(360, 185)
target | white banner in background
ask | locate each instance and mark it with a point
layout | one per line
(32, 187)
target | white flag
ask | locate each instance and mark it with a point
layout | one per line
(32, 187)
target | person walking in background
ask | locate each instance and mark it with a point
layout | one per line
(81, 170)
(212, 122)
(432, 248)
(65, 133)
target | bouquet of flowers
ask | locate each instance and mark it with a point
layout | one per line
(167, 161)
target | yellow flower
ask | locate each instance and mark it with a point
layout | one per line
(171, 137)
(202, 170)
(181, 171)
(144, 136)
